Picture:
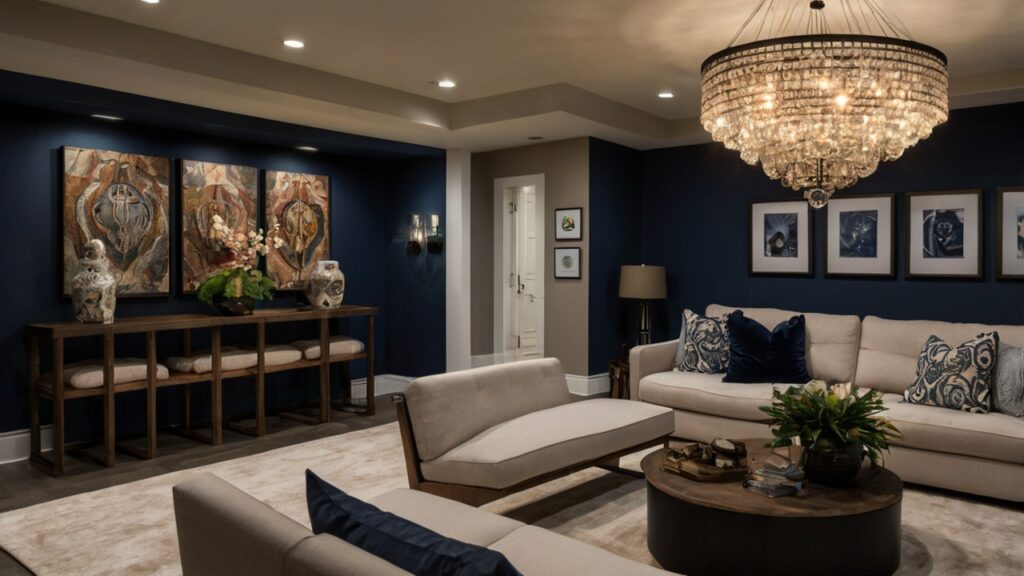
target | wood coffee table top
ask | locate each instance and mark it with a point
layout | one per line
(873, 489)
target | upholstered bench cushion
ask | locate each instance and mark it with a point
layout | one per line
(547, 440)
(994, 435)
(339, 345)
(448, 517)
(234, 359)
(707, 394)
(89, 373)
(538, 552)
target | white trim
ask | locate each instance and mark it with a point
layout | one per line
(595, 385)
(383, 384)
(457, 259)
(16, 445)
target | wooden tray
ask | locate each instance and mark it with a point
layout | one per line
(701, 472)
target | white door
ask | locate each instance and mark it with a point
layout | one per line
(519, 268)
(527, 274)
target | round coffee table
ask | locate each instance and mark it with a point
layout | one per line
(707, 528)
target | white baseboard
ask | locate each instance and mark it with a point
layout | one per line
(382, 385)
(16, 445)
(589, 385)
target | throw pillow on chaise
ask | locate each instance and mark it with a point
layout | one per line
(957, 378)
(405, 544)
(758, 355)
(1008, 387)
(703, 344)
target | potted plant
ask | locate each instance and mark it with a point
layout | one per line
(236, 288)
(837, 424)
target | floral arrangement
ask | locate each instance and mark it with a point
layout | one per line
(830, 417)
(239, 255)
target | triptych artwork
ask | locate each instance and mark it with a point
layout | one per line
(123, 200)
(943, 235)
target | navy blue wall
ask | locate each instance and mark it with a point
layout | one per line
(614, 240)
(372, 182)
(695, 201)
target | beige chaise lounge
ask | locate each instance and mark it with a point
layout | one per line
(223, 531)
(478, 435)
(976, 453)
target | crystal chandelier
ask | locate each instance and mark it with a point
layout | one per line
(819, 110)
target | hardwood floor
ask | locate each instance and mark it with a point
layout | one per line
(22, 485)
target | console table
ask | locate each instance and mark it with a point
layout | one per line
(49, 385)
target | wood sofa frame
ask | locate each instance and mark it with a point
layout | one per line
(479, 495)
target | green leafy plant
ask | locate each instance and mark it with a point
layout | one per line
(826, 417)
(236, 283)
(239, 256)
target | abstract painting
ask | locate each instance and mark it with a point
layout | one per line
(1010, 244)
(122, 200)
(209, 189)
(568, 224)
(780, 238)
(944, 234)
(859, 233)
(300, 204)
(567, 263)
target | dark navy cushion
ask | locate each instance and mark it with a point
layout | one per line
(405, 544)
(757, 355)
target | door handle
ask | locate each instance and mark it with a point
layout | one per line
(532, 298)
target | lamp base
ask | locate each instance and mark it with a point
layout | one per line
(644, 336)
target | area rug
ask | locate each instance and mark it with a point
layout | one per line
(129, 529)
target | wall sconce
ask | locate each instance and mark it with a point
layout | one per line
(435, 241)
(416, 235)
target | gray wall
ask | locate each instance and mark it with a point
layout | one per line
(566, 168)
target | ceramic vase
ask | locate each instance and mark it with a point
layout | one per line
(838, 465)
(242, 306)
(94, 288)
(326, 287)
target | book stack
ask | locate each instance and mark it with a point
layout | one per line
(716, 462)
(777, 476)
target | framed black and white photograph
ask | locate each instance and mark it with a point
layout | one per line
(568, 224)
(567, 263)
(859, 236)
(780, 238)
(1010, 244)
(944, 234)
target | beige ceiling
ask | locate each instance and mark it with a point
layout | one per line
(552, 67)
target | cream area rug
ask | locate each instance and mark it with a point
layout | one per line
(129, 529)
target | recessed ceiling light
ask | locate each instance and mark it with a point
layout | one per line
(666, 94)
(107, 117)
(151, 1)
(307, 148)
(446, 83)
(292, 43)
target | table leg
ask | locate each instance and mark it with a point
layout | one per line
(370, 393)
(325, 370)
(261, 405)
(109, 425)
(33, 379)
(150, 395)
(58, 406)
(216, 408)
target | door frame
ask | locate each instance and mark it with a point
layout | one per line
(500, 185)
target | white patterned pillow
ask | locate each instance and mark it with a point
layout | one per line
(703, 344)
(958, 378)
(1008, 387)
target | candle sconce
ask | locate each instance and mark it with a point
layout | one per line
(435, 240)
(414, 245)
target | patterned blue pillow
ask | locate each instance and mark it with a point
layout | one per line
(703, 344)
(958, 378)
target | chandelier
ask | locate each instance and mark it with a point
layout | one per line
(819, 110)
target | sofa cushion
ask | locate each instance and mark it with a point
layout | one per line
(327, 555)
(1008, 387)
(448, 409)
(398, 540)
(447, 517)
(757, 354)
(957, 378)
(89, 373)
(339, 345)
(703, 344)
(832, 340)
(548, 440)
(538, 552)
(889, 349)
(707, 394)
(993, 436)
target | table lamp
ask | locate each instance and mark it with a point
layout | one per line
(643, 283)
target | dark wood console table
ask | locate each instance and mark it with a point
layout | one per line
(49, 385)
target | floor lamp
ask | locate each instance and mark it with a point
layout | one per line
(643, 283)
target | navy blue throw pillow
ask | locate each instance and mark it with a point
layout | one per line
(757, 355)
(405, 544)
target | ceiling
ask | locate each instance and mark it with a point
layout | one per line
(597, 61)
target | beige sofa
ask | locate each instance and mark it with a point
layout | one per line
(478, 435)
(223, 531)
(976, 453)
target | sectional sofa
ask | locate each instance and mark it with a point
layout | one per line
(976, 453)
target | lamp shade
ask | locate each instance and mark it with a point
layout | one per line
(642, 282)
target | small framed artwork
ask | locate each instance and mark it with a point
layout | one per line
(568, 224)
(944, 234)
(567, 263)
(1010, 246)
(859, 236)
(780, 238)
